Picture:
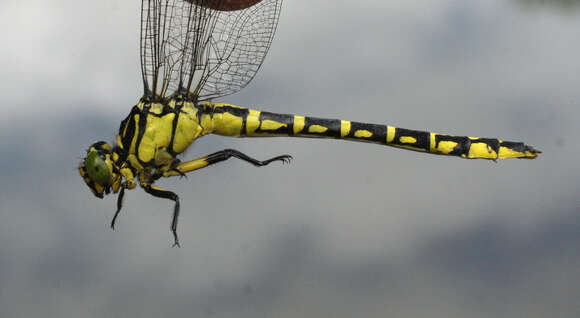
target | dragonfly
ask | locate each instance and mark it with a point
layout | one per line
(194, 51)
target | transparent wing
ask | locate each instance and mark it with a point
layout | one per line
(204, 48)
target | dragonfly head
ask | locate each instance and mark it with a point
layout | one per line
(97, 169)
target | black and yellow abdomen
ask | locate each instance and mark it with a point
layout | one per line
(230, 120)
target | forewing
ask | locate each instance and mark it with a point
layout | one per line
(191, 48)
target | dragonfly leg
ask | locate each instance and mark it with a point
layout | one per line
(119, 206)
(165, 194)
(219, 156)
(175, 164)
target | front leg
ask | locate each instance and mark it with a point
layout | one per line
(119, 206)
(129, 184)
(165, 194)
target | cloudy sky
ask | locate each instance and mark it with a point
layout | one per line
(347, 229)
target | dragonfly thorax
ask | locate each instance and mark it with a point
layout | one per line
(155, 133)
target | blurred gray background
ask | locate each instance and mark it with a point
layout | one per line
(346, 230)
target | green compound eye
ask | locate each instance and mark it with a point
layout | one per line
(97, 168)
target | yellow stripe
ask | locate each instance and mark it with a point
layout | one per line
(481, 150)
(298, 124)
(432, 145)
(119, 140)
(408, 140)
(344, 128)
(317, 129)
(442, 147)
(362, 133)
(228, 124)
(391, 134)
(446, 147)
(252, 122)
(207, 124)
(271, 125)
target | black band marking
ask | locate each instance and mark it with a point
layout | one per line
(332, 125)
(379, 132)
(422, 138)
(286, 120)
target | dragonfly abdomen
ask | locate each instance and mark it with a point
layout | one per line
(230, 120)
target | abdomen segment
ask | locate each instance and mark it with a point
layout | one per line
(230, 120)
